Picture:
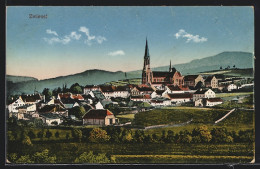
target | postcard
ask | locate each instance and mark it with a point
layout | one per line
(130, 85)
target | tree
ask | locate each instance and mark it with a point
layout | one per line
(77, 111)
(31, 134)
(77, 134)
(128, 137)
(97, 135)
(155, 138)
(24, 160)
(139, 136)
(147, 139)
(67, 136)
(56, 91)
(91, 158)
(48, 134)
(40, 134)
(10, 136)
(203, 133)
(219, 135)
(47, 92)
(57, 134)
(220, 68)
(43, 157)
(187, 138)
(76, 88)
(170, 136)
(26, 140)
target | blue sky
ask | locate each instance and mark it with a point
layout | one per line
(75, 39)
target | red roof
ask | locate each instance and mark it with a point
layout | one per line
(97, 114)
(146, 96)
(190, 77)
(77, 96)
(64, 95)
(180, 95)
(174, 88)
(185, 88)
(160, 74)
(214, 100)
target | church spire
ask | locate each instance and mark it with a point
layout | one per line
(146, 54)
(170, 68)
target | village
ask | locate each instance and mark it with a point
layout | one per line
(100, 104)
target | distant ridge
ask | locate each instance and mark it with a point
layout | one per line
(16, 79)
(96, 76)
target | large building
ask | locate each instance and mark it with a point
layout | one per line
(154, 78)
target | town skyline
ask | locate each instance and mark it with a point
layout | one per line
(103, 40)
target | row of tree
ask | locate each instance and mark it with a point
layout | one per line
(74, 88)
(46, 157)
(121, 135)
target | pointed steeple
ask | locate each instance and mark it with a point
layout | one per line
(170, 68)
(146, 54)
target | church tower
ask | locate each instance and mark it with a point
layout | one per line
(147, 73)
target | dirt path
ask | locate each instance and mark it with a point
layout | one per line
(168, 125)
(222, 118)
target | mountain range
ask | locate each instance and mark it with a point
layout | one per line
(20, 84)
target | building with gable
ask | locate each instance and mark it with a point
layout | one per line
(159, 78)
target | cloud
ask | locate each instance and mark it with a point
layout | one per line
(190, 38)
(100, 39)
(90, 39)
(64, 40)
(74, 35)
(49, 31)
(116, 53)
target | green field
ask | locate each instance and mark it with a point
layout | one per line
(221, 95)
(177, 116)
(148, 153)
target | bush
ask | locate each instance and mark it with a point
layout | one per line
(91, 158)
(98, 135)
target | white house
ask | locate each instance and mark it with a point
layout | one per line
(89, 88)
(121, 91)
(157, 93)
(99, 117)
(28, 108)
(173, 89)
(203, 93)
(99, 106)
(213, 102)
(50, 119)
(160, 102)
(143, 98)
(13, 106)
(107, 91)
(208, 102)
(232, 87)
(180, 97)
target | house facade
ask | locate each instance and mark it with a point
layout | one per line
(192, 80)
(13, 106)
(211, 81)
(231, 87)
(203, 93)
(88, 88)
(213, 102)
(102, 117)
(180, 97)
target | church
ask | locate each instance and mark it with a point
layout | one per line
(159, 78)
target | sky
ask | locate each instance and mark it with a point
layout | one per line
(74, 39)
